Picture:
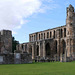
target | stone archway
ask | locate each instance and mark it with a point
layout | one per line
(55, 43)
(63, 46)
(48, 49)
(63, 50)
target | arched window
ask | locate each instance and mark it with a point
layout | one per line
(54, 33)
(63, 46)
(34, 37)
(44, 35)
(30, 38)
(55, 47)
(64, 32)
(22, 46)
(39, 36)
(47, 34)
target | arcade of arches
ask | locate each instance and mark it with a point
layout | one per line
(47, 48)
(57, 43)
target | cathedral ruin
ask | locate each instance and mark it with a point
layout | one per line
(57, 43)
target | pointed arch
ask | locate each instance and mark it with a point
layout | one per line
(55, 47)
(48, 49)
(63, 46)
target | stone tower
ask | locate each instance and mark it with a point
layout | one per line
(5, 41)
(70, 26)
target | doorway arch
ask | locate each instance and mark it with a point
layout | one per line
(55, 47)
(63, 46)
(48, 49)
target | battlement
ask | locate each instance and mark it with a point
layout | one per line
(6, 32)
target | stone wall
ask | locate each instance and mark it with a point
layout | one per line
(15, 58)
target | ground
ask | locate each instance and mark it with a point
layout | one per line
(52, 68)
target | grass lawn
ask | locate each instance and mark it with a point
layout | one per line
(52, 68)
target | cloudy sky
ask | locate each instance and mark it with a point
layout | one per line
(28, 16)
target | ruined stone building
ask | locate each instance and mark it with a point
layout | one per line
(6, 55)
(56, 43)
(5, 41)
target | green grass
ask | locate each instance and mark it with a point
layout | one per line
(52, 68)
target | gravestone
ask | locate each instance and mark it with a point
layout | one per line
(17, 58)
(1, 59)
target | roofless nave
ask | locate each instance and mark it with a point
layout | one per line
(53, 43)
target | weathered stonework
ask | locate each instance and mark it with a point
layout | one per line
(6, 55)
(5, 41)
(57, 43)
(15, 58)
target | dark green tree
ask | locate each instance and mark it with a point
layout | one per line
(14, 43)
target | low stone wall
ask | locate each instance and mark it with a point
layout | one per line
(15, 58)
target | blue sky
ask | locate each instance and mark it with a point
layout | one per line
(51, 18)
(32, 16)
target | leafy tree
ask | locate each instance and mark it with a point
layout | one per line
(14, 43)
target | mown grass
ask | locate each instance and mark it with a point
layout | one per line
(51, 68)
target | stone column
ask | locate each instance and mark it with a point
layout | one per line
(35, 37)
(43, 36)
(58, 47)
(63, 32)
(65, 56)
(33, 55)
(39, 50)
(24, 47)
(44, 49)
(61, 59)
(49, 34)
(27, 48)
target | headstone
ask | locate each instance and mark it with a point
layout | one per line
(17, 58)
(17, 55)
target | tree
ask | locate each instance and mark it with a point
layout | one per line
(14, 43)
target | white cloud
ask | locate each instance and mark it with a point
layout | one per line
(13, 13)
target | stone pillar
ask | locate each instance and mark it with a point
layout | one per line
(58, 47)
(44, 49)
(39, 49)
(43, 36)
(24, 48)
(61, 58)
(27, 48)
(33, 55)
(49, 34)
(65, 56)
(63, 32)
(35, 38)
